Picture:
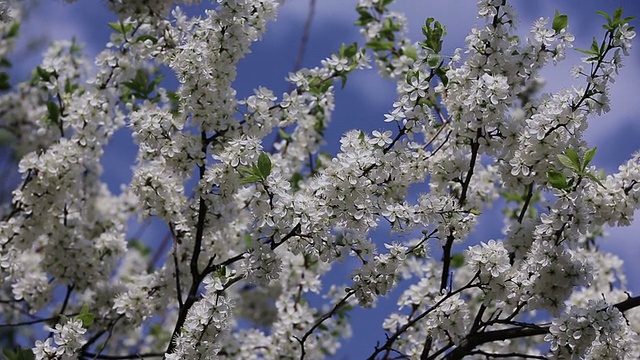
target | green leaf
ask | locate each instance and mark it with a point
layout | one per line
(595, 48)
(248, 240)
(557, 179)
(433, 60)
(43, 74)
(283, 135)
(264, 165)
(343, 77)
(617, 16)
(564, 159)
(512, 196)
(4, 81)
(570, 159)
(457, 260)
(573, 155)
(410, 52)
(9, 354)
(120, 27)
(365, 16)
(140, 246)
(13, 31)
(588, 52)
(380, 45)
(362, 137)
(560, 22)
(442, 74)
(70, 87)
(319, 86)
(250, 179)
(19, 354)
(349, 51)
(606, 16)
(588, 156)
(433, 35)
(146, 37)
(295, 180)
(85, 316)
(53, 112)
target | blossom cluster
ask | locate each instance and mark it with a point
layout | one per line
(257, 216)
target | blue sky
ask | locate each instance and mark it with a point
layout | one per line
(367, 97)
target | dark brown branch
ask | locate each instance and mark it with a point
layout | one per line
(524, 330)
(628, 304)
(196, 275)
(322, 319)
(202, 215)
(527, 200)
(446, 248)
(28, 323)
(392, 339)
(474, 340)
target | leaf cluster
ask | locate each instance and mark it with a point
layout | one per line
(578, 165)
(257, 172)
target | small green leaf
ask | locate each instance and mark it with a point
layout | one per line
(588, 52)
(295, 180)
(595, 48)
(410, 52)
(13, 31)
(365, 17)
(350, 51)
(617, 16)
(85, 316)
(380, 45)
(362, 136)
(606, 16)
(19, 354)
(283, 135)
(557, 179)
(564, 159)
(588, 156)
(117, 27)
(560, 22)
(9, 353)
(442, 74)
(457, 260)
(433, 60)
(571, 160)
(120, 27)
(248, 240)
(573, 155)
(433, 35)
(4, 81)
(140, 246)
(53, 112)
(250, 179)
(43, 74)
(512, 196)
(264, 165)
(145, 37)
(343, 77)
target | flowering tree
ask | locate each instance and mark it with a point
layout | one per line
(256, 224)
